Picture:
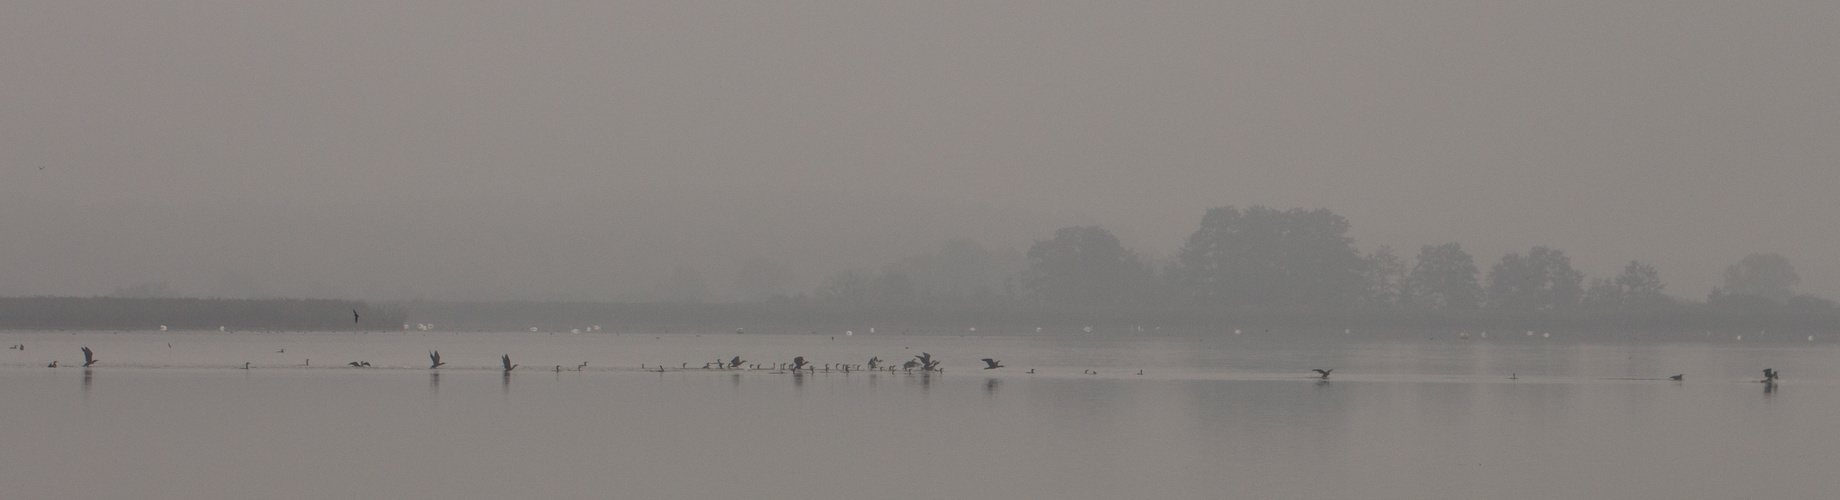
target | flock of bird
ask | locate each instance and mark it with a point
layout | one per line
(923, 362)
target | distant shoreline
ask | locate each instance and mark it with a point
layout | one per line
(148, 314)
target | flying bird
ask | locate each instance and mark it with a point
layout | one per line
(1678, 378)
(436, 357)
(354, 363)
(1325, 373)
(1769, 375)
(798, 362)
(733, 363)
(994, 364)
(506, 359)
(354, 316)
(89, 358)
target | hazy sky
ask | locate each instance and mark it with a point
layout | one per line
(585, 149)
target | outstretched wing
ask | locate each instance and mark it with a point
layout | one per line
(88, 355)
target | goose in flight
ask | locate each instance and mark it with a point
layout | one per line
(354, 316)
(436, 357)
(1769, 375)
(733, 363)
(89, 358)
(909, 365)
(798, 362)
(994, 364)
(873, 361)
(1678, 378)
(927, 363)
(1325, 373)
(506, 359)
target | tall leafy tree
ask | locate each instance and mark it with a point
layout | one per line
(1639, 285)
(1444, 278)
(1541, 280)
(1764, 275)
(1083, 266)
(1267, 257)
(1386, 278)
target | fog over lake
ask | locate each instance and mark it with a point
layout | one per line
(1171, 211)
(424, 149)
(1512, 416)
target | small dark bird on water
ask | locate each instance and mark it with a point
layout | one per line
(1678, 378)
(994, 364)
(436, 357)
(89, 358)
(1325, 373)
(733, 363)
(52, 365)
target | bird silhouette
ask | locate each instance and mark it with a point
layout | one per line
(733, 363)
(994, 364)
(1769, 375)
(354, 363)
(506, 359)
(873, 361)
(52, 365)
(1678, 378)
(436, 357)
(1325, 373)
(798, 362)
(89, 358)
(354, 316)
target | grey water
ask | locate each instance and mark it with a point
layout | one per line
(174, 415)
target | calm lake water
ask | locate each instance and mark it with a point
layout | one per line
(1219, 416)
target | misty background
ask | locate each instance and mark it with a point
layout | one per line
(627, 151)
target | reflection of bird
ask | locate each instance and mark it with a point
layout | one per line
(1325, 373)
(506, 359)
(436, 357)
(89, 358)
(994, 364)
(1678, 378)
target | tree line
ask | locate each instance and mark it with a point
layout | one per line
(1269, 261)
